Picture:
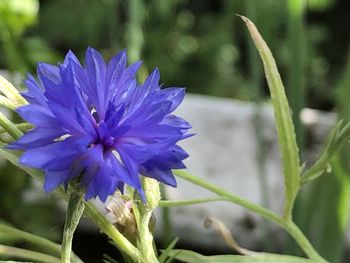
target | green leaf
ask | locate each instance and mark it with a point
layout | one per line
(285, 128)
(15, 252)
(162, 258)
(318, 210)
(339, 136)
(190, 256)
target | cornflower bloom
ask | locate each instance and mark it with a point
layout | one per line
(97, 123)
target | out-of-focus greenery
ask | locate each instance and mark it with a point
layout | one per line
(195, 43)
(202, 45)
(21, 52)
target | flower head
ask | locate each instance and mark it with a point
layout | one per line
(97, 122)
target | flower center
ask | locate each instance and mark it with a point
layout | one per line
(103, 137)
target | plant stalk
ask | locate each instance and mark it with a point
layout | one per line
(74, 212)
(287, 225)
(27, 254)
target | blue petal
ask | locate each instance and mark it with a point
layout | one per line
(67, 118)
(38, 115)
(36, 138)
(175, 95)
(35, 94)
(166, 177)
(55, 178)
(70, 57)
(96, 71)
(49, 72)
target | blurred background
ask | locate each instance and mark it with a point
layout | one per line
(202, 45)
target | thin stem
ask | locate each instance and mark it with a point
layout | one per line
(74, 212)
(172, 203)
(5, 102)
(167, 229)
(230, 197)
(40, 242)
(11, 92)
(10, 127)
(289, 226)
(21, 126)
(106, 227)
(302, 241)
(27, 254)
(146, 238)
(37, 241)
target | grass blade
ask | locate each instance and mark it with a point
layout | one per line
(285, 128)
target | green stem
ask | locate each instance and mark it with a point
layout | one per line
(296, 64)
(172, 203)
(11, 92)
(5, 102)
(302, 241)
(167, 229)
(230, 197)
(9, 127)
(21, 126)
(37, 241)
(27, 254)
(146, 238)
(74, 212)
(90, 211)
(288, 225)
(106, 227)
(134, 34)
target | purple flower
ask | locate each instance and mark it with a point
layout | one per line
(96, 122)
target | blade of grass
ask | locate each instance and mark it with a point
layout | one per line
(15, 252)
(284, 124)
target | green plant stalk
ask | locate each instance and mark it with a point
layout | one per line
(134, 35)
(74, 212)
(9, 127)
(167, 229)
(11, 92)
(5, 102)
(105, 226)
(49, 246)
(173, 203)
(37, 241)
(145, 242)
(27, 254)
(23, 127)
(296, 47)
(288, 225)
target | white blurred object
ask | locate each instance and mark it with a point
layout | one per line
(224, 152)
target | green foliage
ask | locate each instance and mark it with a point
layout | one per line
(283, 120)
(165, 257)
(338, 138)
(17, 15)
(325, 211)
(193, 257)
